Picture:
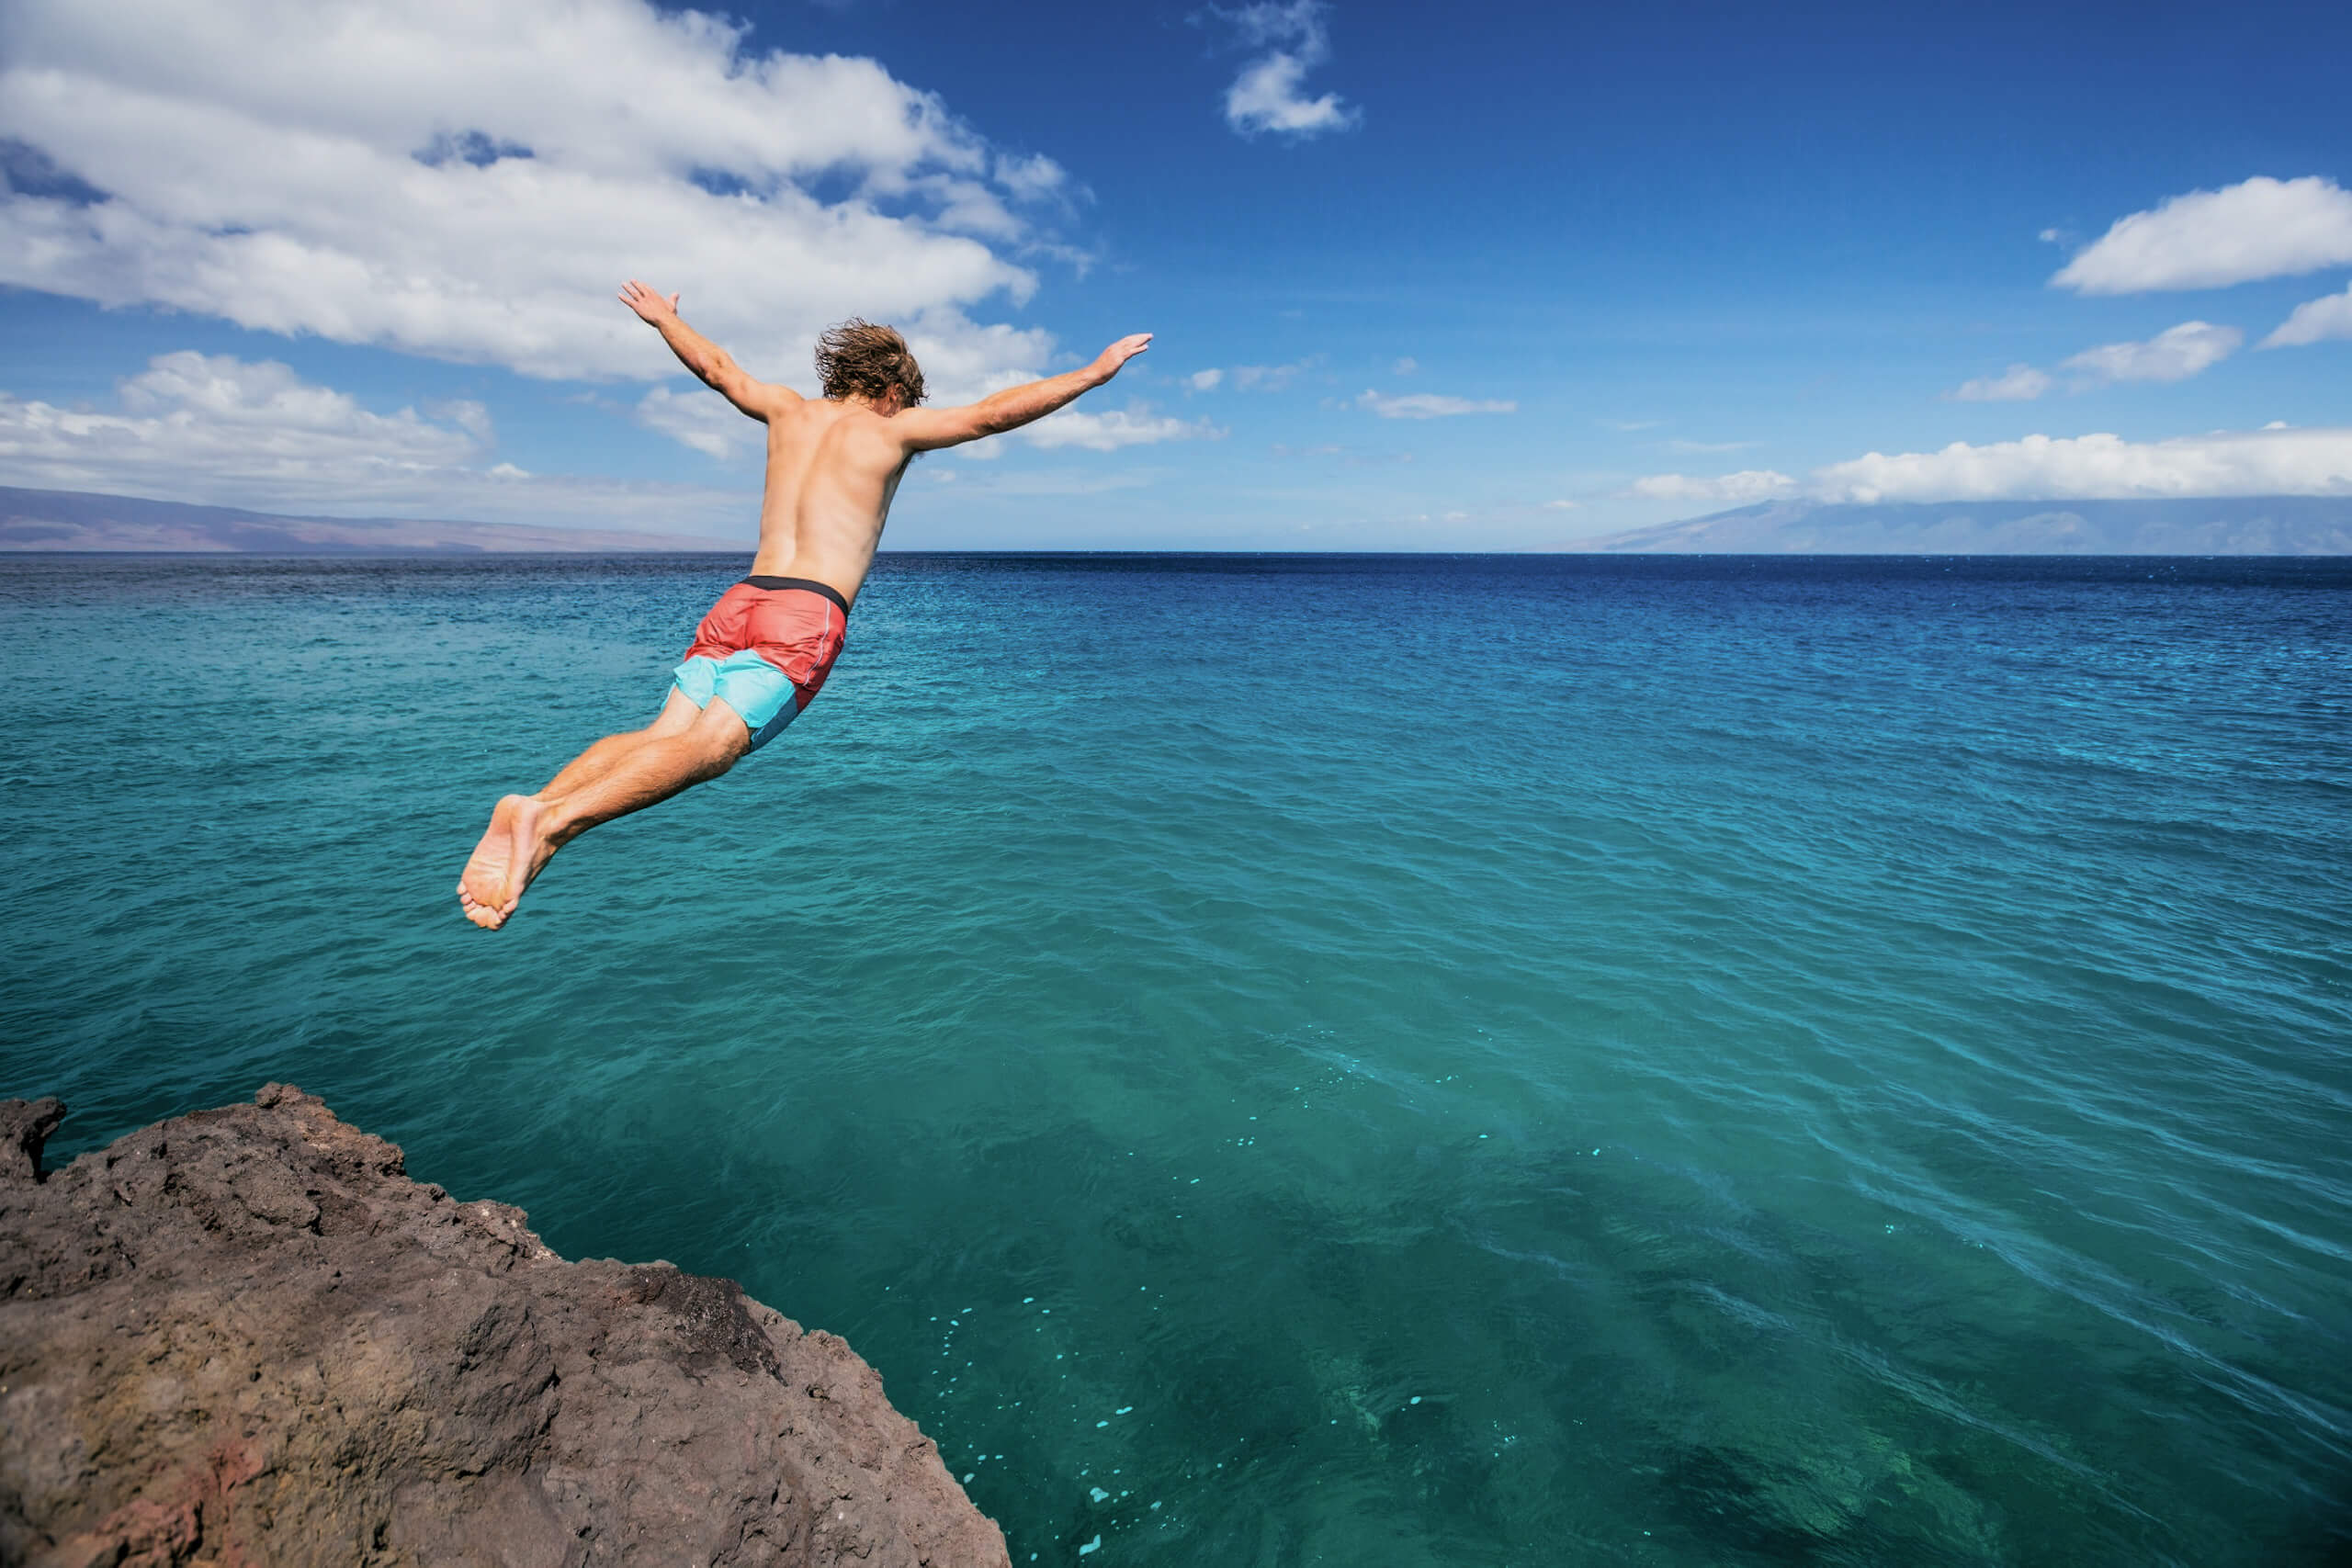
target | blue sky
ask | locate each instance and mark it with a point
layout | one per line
(1501, 278)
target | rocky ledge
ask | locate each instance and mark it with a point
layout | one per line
(246, 1336)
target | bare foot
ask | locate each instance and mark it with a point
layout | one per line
(515, 848)
(481, 886)
(532, 847)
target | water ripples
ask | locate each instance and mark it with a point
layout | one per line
(1394, 1061)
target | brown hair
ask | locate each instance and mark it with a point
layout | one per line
(858, 359)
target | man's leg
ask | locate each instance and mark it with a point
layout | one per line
(482, 885)
(527, 830)
(676, 717)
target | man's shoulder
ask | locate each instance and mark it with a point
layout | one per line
(850, 431)
(827, 412)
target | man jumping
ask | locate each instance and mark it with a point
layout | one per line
(764, 649)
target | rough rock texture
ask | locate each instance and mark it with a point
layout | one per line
(246, 1336)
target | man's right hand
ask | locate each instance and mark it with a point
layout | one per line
(649, 305)
(1107, 363)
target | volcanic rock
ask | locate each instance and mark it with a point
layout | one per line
(246, 1336)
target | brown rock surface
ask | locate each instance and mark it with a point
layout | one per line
(244, 1337)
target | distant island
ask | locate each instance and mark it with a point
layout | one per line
(59, 520)
(2229, 526)
(64, 520)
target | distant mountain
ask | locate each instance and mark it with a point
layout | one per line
(50, 520)
(2233, 525)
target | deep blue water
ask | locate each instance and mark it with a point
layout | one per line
(1323, 1060)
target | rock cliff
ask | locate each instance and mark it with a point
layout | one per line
(245, 1336)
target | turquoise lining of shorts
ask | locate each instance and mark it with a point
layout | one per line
(755, 689)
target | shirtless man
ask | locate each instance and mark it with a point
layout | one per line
(760, 656)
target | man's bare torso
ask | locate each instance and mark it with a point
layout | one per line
(835, 466)
(833, 469)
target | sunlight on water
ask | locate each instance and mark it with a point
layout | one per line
(1366, 1061)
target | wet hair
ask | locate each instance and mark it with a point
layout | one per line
(858, 359)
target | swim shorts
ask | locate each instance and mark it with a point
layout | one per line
(764, 649)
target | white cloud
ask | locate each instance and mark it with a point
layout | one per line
(1406, 366)
(1679, 445)
(1560, 506)
(473, 181)
(2328, 316)
(1727, 490)
(2174, 355)
(1268, 93)
(1035, 177)
(1135, 425)
(2018, 383)
(1267, 377)
(1428, 405)
(240, 432)
(700, 419)
(2277, 460)
(2206, 238)
(2085, 468)
(219, 418)
(1205, 380)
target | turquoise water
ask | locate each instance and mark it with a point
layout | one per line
(1357, 1061)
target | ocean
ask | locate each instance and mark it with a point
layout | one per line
(1356, 1060)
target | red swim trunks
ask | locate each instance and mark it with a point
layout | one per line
(764, 649)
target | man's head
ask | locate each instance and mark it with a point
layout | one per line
(858, 359)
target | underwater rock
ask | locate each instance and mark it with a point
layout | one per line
(245, 1336)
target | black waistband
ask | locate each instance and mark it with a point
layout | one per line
(809, 584)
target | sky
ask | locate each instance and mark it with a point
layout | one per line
(1503, 276)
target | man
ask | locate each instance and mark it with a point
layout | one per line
(760, 656)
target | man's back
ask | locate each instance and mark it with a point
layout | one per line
(833, 468)
(834, 462)
(763, 652)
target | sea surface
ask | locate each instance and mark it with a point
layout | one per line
(1352, 1060)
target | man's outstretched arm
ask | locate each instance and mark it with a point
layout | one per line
(925, 430)
(717, 369)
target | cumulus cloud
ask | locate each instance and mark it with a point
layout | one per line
(254, 425)
(473, 181)
(1727, 490)
(2174, 355)
(2276, 460)
(1205, 380)
(2206, 238)
(2316, 320)
(1429, 405)
(2086, 467)
(246, 433)
(1107, 430)
(700, 419)
(1270, 93)
(2018, 383)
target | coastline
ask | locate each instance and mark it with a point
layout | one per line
(245, 1335)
